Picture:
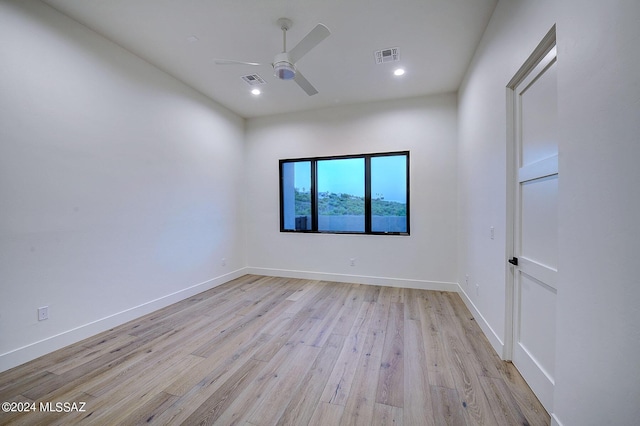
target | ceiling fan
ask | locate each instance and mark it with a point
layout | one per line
(284, 63)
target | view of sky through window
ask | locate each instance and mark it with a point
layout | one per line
(389, 178)
(344, 176)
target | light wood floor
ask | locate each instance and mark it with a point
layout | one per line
(267, 351)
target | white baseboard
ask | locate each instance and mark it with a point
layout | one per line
(358, 279)
(34, 350)
(554, 420)
(494, 339)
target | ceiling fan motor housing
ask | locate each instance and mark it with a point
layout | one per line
(283, 68)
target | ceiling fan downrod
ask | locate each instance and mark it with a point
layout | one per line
(282, 66)
(285, 24)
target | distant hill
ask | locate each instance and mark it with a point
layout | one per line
(331, 204)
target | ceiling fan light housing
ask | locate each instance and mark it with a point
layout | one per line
(283, 68)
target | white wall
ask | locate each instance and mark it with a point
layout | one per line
(120, 187)
(513, 33)
(426, 126)
(598, 339)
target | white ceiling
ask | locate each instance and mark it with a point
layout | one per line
(436, 39)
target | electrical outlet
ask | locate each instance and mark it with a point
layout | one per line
(492, 233)
(352, 261)
(477, 289)
(43, 313)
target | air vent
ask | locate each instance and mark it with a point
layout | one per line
(383, 56)
(253, 79)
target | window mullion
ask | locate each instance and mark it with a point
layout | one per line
(314, 197)
(367, 194)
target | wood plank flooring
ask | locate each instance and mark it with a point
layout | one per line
(276, 351)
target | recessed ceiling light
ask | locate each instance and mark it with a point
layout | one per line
(398, 72)
(255, 92)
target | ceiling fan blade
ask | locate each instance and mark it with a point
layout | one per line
(304, 83)
(232, 62)
(311, 40)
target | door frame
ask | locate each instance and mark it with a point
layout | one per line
(539, 53)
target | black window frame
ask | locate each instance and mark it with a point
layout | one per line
(367, 193)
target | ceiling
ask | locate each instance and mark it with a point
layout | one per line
(436, 40)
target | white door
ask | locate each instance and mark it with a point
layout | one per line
(535, 245)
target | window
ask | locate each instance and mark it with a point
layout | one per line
(359, 194)
(340, 184)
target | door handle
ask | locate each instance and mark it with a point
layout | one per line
(513, 261)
